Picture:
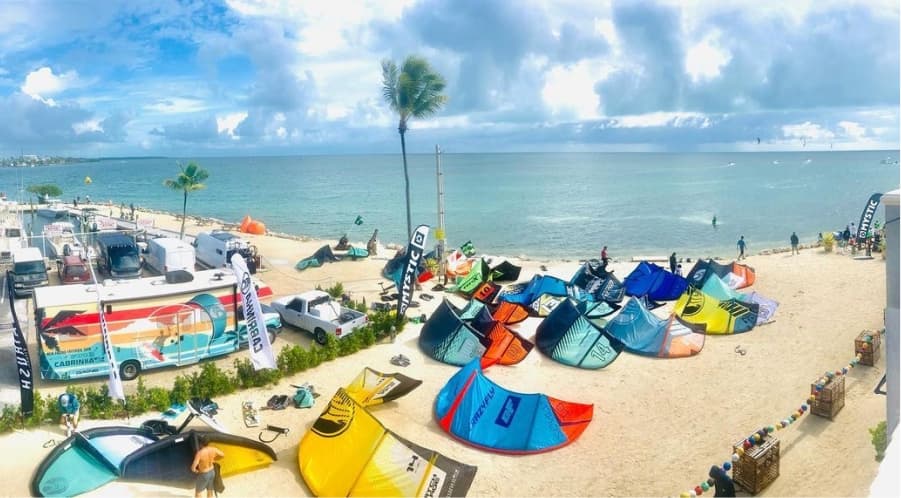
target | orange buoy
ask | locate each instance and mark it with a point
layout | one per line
(246, 221)
(256, 228)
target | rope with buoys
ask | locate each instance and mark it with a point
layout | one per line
(760, 435)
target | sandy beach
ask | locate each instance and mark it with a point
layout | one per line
(658, 425)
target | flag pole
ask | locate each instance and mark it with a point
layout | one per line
(439, 234)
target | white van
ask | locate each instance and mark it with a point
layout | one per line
(215, 249)
(167, 254)
(28, 271)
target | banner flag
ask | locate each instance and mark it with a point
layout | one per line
(866, 217)
(257, 336)
(23, 360)
(411, 264)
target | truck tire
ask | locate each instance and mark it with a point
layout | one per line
(320, 336)
(129, 370)
(273, 333)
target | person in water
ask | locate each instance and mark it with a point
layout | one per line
(714, 221)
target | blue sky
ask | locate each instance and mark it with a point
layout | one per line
(246, 77)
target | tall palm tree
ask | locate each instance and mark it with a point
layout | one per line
(190, 179)
(413, 91)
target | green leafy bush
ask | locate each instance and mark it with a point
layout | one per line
(209, 381)
(336, 290)
(879, 439)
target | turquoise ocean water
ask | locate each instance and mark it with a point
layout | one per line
(553, 205)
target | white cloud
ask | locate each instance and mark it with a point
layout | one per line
(852, 129)
(42, 83)
(654, 119)
(704, 59)
(569, 90)
(89, 125)
(324, 26)
(177, 105)
(281, 132)
(807, 131)
(3, 72)
(228, 122)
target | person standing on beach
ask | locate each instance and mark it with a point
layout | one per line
(672, 262)
(741, 248)
(794, 241)
(203, 467)
(604, 258)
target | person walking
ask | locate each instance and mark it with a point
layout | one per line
(794, 241)
(203, 467)
(741, 247)
(672, 262)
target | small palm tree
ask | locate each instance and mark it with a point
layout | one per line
(413, 91)
(190, 179)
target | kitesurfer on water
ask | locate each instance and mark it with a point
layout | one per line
(714, 221)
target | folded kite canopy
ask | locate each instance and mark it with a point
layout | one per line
(643, 333)
(570, 338)
(479, 412)
(347, 452)
(712, 316)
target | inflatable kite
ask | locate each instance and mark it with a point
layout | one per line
(481, 413)
(448, 338)
(709, 315)
(347, 452)
(570, 338)
(642, 332)
(716, 288)
(648, 279)
(374, 388)
(736, 275)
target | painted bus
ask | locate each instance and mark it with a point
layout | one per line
(152, 323)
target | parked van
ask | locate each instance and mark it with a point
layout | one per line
(167, 254)
(117, 255)
(73, 270)
(28, 271)
(215, 249)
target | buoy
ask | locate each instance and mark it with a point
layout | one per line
(256, 228)
(87, 180)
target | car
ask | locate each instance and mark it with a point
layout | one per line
(271, 318)
(316, 312)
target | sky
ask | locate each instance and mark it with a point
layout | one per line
(267, 77)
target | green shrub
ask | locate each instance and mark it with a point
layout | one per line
(336, 290)
(879, 440)
(209, 381)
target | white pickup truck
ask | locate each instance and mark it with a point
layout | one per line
(316, 312)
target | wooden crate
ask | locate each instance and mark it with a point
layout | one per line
(830, 399)
(867, 346)
(758, 466)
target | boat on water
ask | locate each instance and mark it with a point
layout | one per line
(12, 236)
(53, 210)
(62, 237)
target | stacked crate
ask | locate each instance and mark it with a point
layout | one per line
(758, 465)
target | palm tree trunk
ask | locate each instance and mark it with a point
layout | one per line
(403, 148)
(184, 213)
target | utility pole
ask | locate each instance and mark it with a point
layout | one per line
(439, 234)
